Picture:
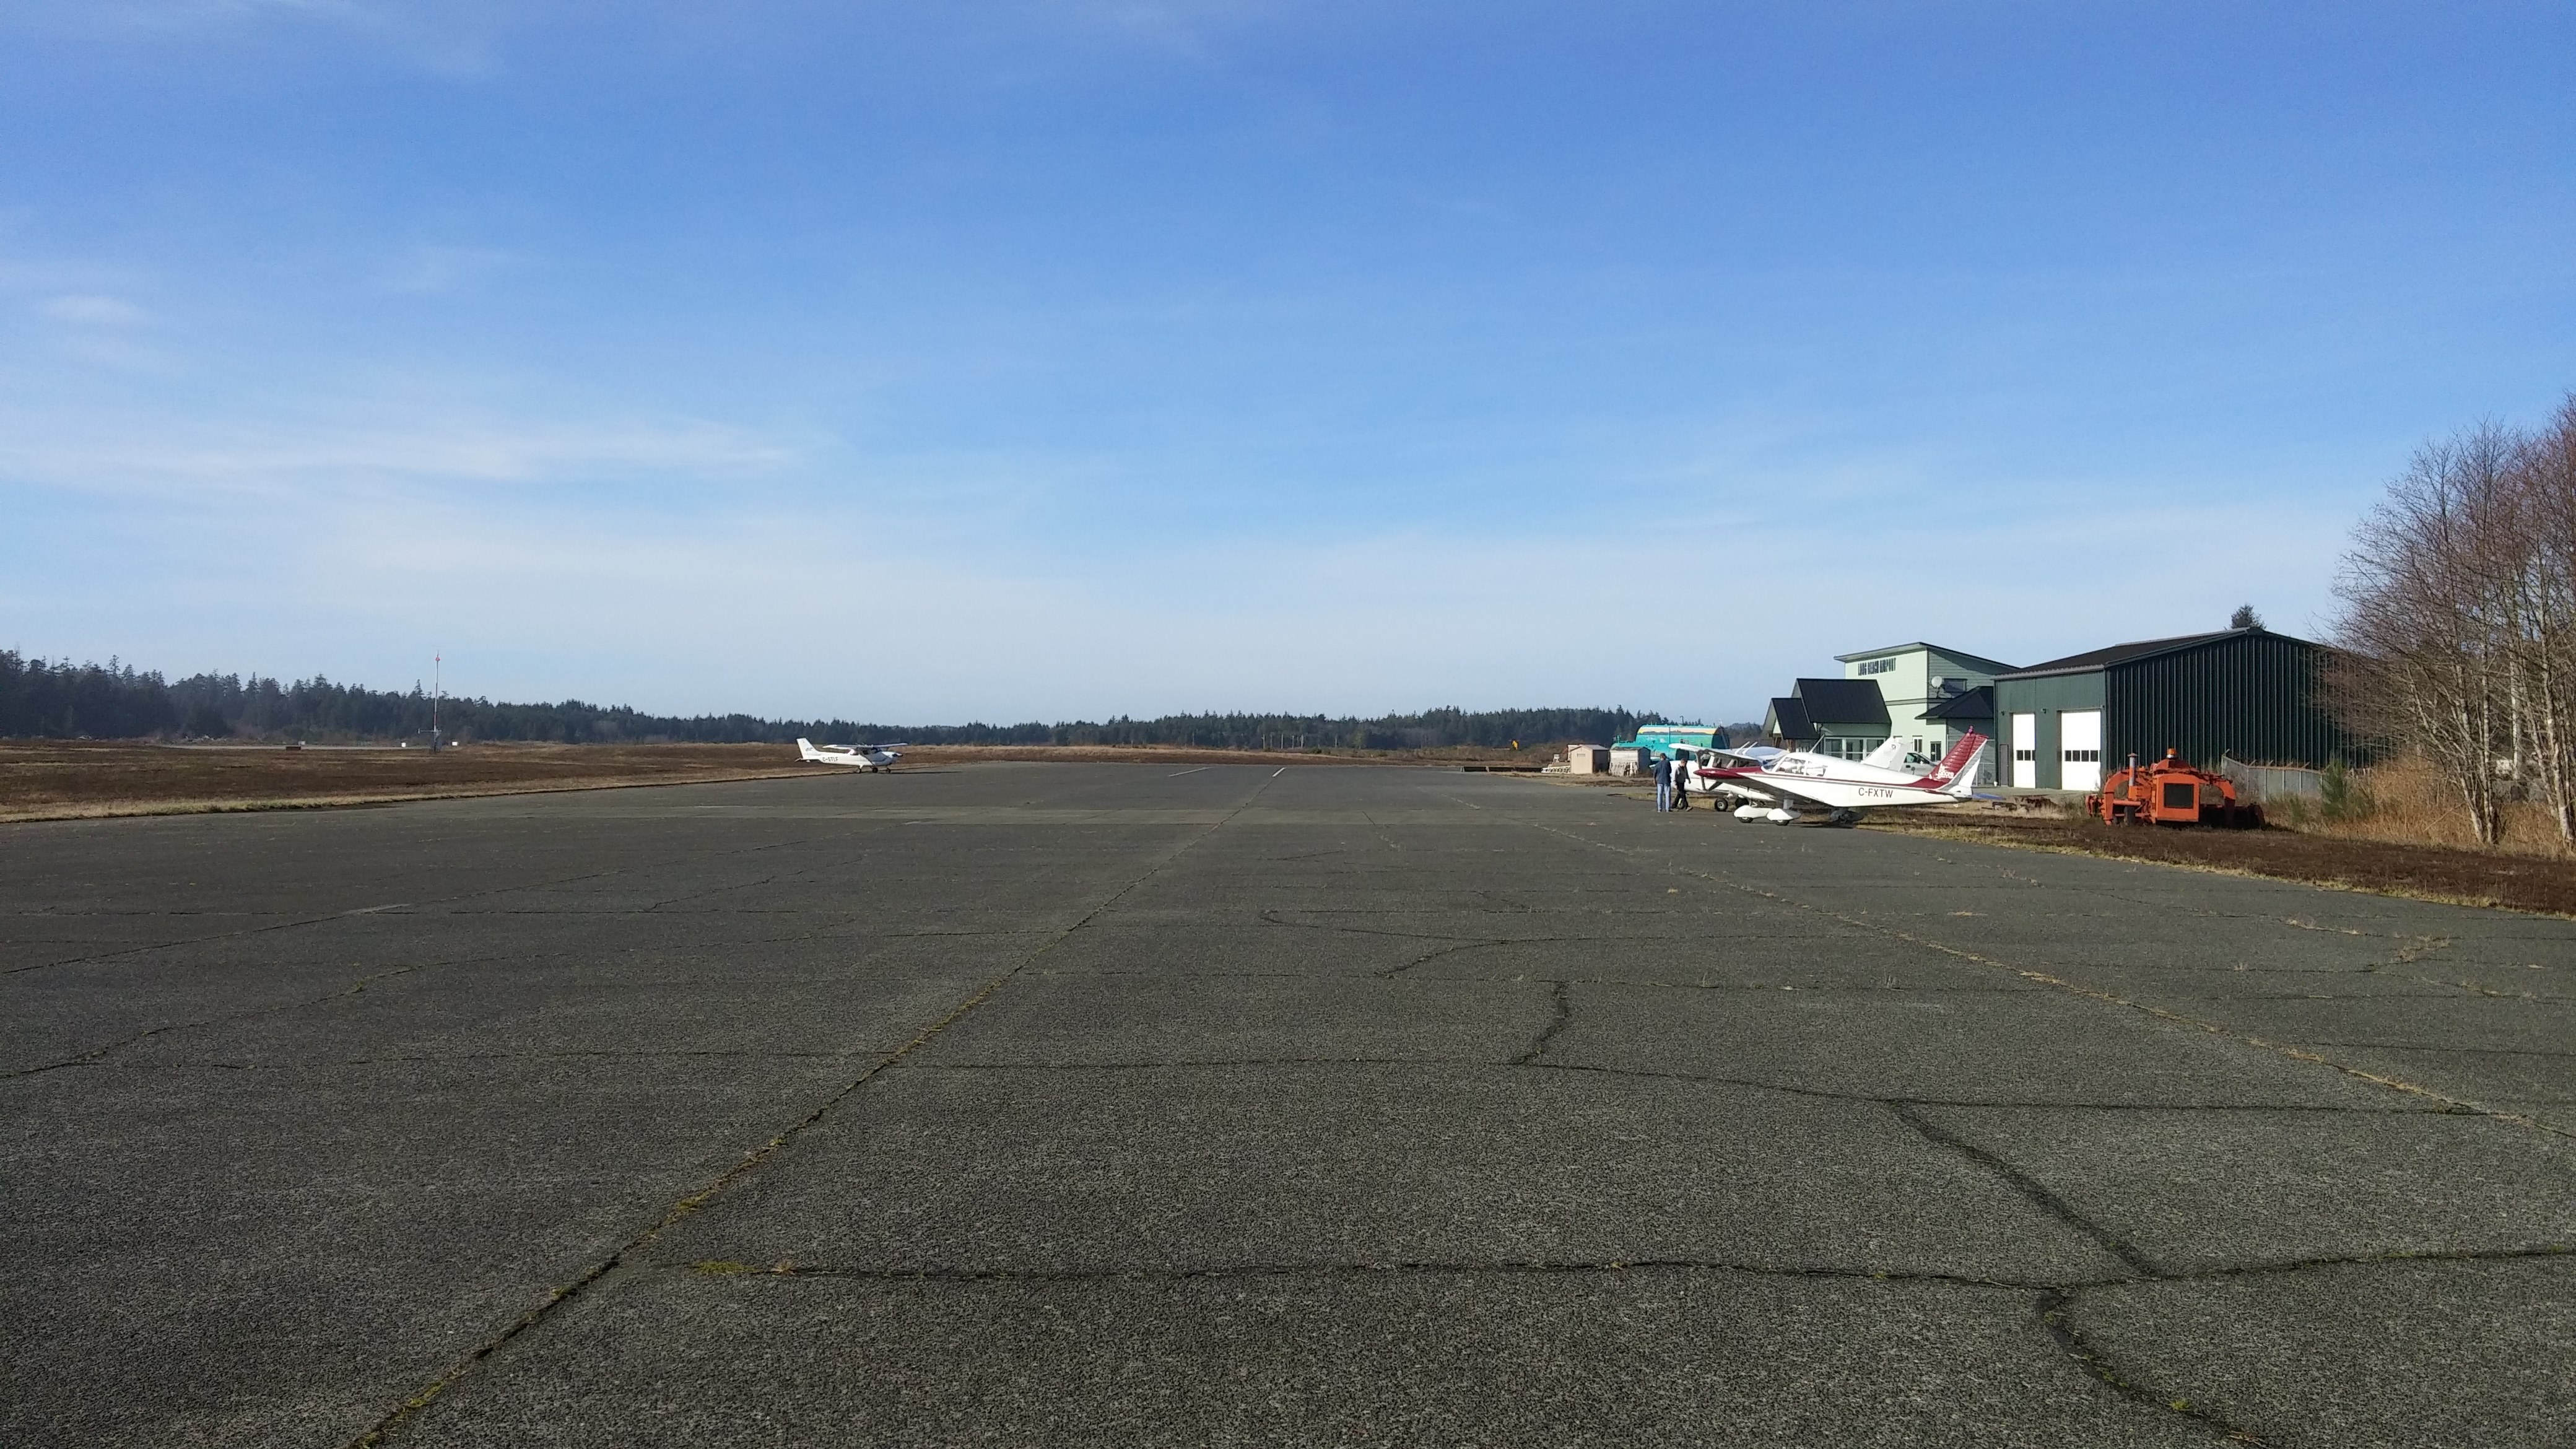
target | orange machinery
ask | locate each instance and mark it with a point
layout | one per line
(2171, 792)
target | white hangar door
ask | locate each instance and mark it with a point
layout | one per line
(2079, 733)
(2025, 751)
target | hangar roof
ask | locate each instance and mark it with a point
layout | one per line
(2122, 653)
(1842, 701)
(1789, 719)
(1977, 703)
(1976, 661)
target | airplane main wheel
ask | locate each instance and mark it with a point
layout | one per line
(1843, 818)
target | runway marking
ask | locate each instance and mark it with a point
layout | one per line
(1176, 774)
(1282, 770)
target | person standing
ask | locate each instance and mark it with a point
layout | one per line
(1663, 783)
(1681, 779)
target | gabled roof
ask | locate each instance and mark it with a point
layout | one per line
(1788, 720)
(2093, 659)
(1977, 703)
(1981, 663)
(1842, 701)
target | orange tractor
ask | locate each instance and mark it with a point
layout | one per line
(2171, 792)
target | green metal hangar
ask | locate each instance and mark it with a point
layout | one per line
(2249, 693)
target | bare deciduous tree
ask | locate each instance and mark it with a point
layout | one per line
(2460, 618)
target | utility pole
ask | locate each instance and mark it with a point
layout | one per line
(437, 684)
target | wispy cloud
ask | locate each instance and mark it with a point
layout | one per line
(285, 461)
(551, 596)
(455, 41)
(151, 17)
(433, 270)
(89, 309)
(1189, 28)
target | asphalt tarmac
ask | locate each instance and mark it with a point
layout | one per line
(1029, 1104)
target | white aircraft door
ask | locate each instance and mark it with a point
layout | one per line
(2025, 751)
(2079, 736)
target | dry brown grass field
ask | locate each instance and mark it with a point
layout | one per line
(70, 779)
(2407, 804)
(58, 779)
(2409, 839)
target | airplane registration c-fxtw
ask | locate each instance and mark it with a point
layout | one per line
(1783, 786)
(857, 757)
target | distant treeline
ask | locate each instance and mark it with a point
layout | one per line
(43, 700)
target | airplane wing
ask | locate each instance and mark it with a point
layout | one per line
(1750, 754)
(1781, 785)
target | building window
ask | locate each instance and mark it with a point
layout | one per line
(2031, 755)
(1878, 666)
(2077, 757)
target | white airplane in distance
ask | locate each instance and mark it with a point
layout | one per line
(1778, 785)
(857, 757)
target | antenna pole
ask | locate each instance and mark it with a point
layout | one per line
(437, 686)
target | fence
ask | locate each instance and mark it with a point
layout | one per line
(2272, 782)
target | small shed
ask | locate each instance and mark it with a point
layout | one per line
(1586, 760)
(2249, 693)
(1627, 759)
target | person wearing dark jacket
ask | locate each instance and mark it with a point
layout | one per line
(1663, 783)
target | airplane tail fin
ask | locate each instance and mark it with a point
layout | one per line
(1957, 772)
(1889, 755)
(804, 748)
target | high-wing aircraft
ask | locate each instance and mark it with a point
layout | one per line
(858, 757)
(1790, 786)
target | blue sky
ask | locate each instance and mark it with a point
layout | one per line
(926, 362)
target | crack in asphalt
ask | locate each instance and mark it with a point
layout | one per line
(2416, 946)
(1386, 1269)
(2054, 1310)
(2403, 1046)
(1562, 998)
(97, 1056)
(1271, 915)
(404, 1412)
(1450, 949)
(2054, 1306)
(2067, 1287)
(722, 890)
(602, 1054)
(1203, 1064)
(325, 919)
(1884, 1100)
(1832, 989)
(2029, 1187)
(2109, 998)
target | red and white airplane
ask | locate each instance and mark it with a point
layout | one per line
(1787, 786)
